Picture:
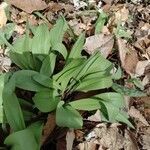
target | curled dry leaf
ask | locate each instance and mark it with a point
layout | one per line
(3, 17)
(69, 139)
(141, 66)
(136, 114)
(49, 127)
(122, 50)
(121, 15)
(96, 117)
(101, 42)
(29, 5)
(87, 146)
(128, 56)
(129, 143)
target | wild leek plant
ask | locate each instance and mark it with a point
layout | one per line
(37, 55)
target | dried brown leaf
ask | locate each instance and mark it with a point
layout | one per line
(3, 17)
(141, 66)
(122, 50)
(128, 56)
(101, 42)
(96, 117)
(49, 127)
(129, 143)
(69, 139)
(87, 146)
(131, 61)
(29, 5)
(133, 112)
(121, 15)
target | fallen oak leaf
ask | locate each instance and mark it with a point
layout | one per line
(69, 139)
(128, 56)
(3, 17)
(101, 42)
(29, 5)
(141, 66)
(133, 112)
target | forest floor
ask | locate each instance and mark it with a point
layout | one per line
(129, 21)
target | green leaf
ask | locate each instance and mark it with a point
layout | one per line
(126, 91)
(118, 74)
(46, 101)
(77, 47)
(41, 41)
(23, 44)
(24, 80)
(27, 115)
(31, 135)
(94, 84)
(12, 107)
(123, 117)
(86, 104)
(45, 81)
(100, 22)
(7, 31)
(67, 116)
(48, 65)
(37, 129)
(59, 47)
(121, 32)
(94, 64)
(57, 32)
(17, 139)
(114, 105)
(68, 73)
(137, 82)
(114, 98)
(2, 84)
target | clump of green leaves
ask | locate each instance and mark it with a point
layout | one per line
(35, 54)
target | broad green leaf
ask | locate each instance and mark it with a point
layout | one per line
(99, 74)
(137, 82)
(67, 116)
(17, 140)
(45, 81)
(118, 74)
(77, 47)
(126, 91)
(27, 115)
(86, 104)
(59, 47)
(57, 32)
(12, 107)
(41, 41)
(121, 32)
(23, 44)
(94, 84)
(2, 84)
(72, 65)
(24, 60)
(113, 102)
(46, 101)
(48, 65)
(24, 80)
(94, 64)
(68, 73)
(7, 31)
(37, 129)
(112, 97)
(100, 22)
(123, 117)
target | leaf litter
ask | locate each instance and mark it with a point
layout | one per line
(133, 54)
